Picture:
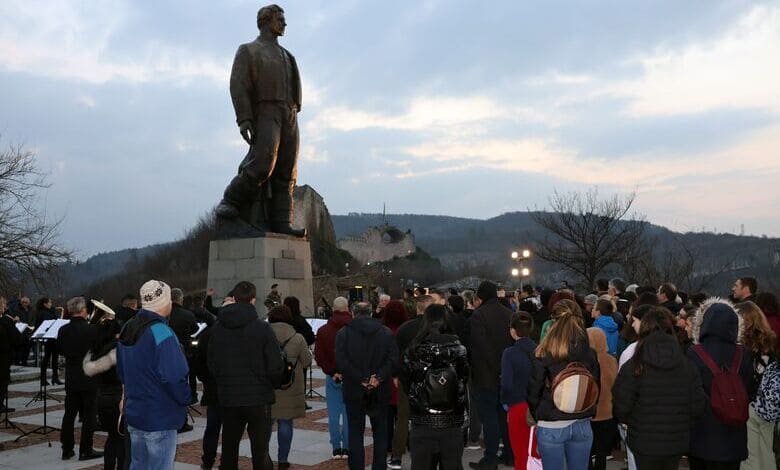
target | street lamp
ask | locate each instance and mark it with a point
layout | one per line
(515, 255)
(525, 272)
(515, 272)
(526, 254)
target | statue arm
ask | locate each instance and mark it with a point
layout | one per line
(241, 86)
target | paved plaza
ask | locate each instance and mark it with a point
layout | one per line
(310, 446)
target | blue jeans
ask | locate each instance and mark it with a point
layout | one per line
(337, 414)
(570, 445)
(211, 435)
(493, 417)
(152, 450)
(284, 435)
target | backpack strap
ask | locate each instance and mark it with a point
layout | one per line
(737, 362)
(707, 360)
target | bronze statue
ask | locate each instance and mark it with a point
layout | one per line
(266, 90)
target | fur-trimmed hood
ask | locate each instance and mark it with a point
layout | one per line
(713, 318)
(102, 364)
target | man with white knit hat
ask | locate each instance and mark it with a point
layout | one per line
(153, 369)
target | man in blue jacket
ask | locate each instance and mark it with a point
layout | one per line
(154, 371)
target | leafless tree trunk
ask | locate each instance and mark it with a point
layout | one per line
(29, 247)
(586, 234)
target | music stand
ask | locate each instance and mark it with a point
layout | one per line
(45, 428)
(5, 422)
(46, 332)
(311, 393)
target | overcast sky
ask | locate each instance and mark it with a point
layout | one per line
(438, 107)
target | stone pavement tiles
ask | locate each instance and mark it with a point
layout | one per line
(310, 446)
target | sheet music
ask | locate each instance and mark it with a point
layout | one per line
(316, 323)
(21, 326)
(201, 327)
(49, 329)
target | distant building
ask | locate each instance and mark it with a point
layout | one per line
(380, 243)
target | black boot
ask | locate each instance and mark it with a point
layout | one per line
(238, 193)
(286, 229)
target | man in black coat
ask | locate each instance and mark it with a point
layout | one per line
(23, 313)
(184, 325)
(488, 337)
(209, 400)
(75, 339)
(367, 357)
(9, 339)
(246, 362)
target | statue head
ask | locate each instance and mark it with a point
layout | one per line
(271, 18)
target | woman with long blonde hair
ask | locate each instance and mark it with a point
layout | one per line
(564, 434)
(758, 337)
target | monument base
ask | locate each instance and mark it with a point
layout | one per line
(263, 261)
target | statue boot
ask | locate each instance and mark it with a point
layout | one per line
(238, 193)
(281, 214)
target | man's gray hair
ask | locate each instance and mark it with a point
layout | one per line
(384, 297)
(361, 309)
(177, 296)
(341, 304)
(76, 305)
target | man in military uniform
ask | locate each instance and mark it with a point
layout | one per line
(266, 90)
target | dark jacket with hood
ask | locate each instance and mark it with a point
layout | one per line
(516, 366)
(544, 371)
(488, 337)
(718, 333)
(325, 345)
(364, 348)
(660, 405)
(244, 357)
(303, 328)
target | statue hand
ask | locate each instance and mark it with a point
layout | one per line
(246, 131)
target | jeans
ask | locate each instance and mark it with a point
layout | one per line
(284, 435)
(494, 425)
(436, 448)
(356, 415)
(569, 446)
(257, 422)
(337, 414)
(211, 436)
(152, 450)
(83, 403)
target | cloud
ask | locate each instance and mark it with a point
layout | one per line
(740, 69)
(62, 40)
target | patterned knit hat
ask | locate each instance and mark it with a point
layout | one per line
(155, 295)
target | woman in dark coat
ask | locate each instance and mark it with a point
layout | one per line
(714, 444)
(100, 363)
(658, 394)
(300, 324)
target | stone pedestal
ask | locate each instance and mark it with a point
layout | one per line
(272, 259)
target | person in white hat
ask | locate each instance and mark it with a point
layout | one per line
(154, 371)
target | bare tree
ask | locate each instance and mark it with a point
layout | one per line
(29, 246)
(586, 234)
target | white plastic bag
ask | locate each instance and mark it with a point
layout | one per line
(534, 462)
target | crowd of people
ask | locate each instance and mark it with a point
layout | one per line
(557, 377)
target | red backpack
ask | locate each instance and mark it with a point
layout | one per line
(728, 397)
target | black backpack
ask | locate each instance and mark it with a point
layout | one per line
(439, 386)
(288, 373)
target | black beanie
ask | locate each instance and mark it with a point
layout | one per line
(487, 290)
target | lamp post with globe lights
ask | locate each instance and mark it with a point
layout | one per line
(521, 257)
